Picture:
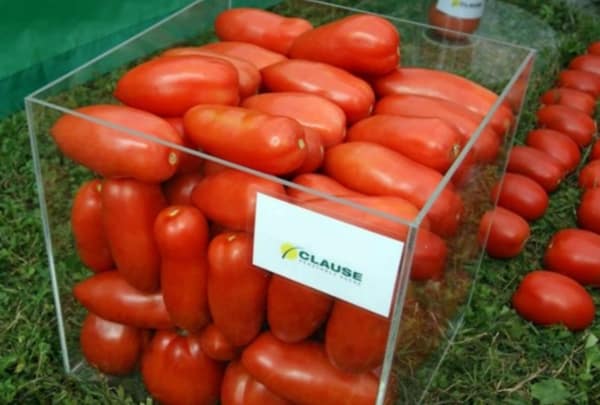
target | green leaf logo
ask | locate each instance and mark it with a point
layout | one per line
(455, 3)
(289, 251)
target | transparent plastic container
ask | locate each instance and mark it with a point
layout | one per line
(423, 316)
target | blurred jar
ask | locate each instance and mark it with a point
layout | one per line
(457, 15)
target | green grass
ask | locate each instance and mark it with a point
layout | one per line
(496, 358)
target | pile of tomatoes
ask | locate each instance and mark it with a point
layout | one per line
(169, 235)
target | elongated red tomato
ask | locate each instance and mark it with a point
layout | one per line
(429, 141)
(88, 230)
(376, 170)
(114, 153)
(506, 232)
(576, 254)
(295, 311)
(178, 190)
(571, 98)
(521, 195)
(260, 27)
(276, 364)
(237, 290)
(587, 82)
(248, 74)
(187, 163)
(215, 344)
(315, 152)
(169, 86)
(129, 210)
(556, 144)
(466, 122)
(595, 153)
(240, 388)
(360, 43)
(589, 177)
(588, 213)
(229, 197)
(355, 352)
(265, 142)
(574, 123)
(176, 371)
(321, 183)
(109, 296)
(310, 110)
(548, 298)
(352, 94)
(181, 233)
(447, 86)
(257, 55)
(431, 254)
(587, 62)
(594, 48)
(110, 347)
(537, 165)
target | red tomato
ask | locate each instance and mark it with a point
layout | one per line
(594, 48)
(447, 86)
(537, 165)
(240, 388)
(260, 27)
(429, 141)
(211, 167)
(248, 74)
(580, 80)
(595, 153)
(506, 233)
(429, 260)
(588, 214)
(548, 298)
(589, 177)
(466, 122)
(353, 95)
(588, 63)
(178, 190)
(556, 144)
(321, 183)
(315, 152)
(576, 254)
(215, 344)
(88, 230)
(376, 170)
(360, 43)
(355, 352)
(181, 233)
(310, 110)
(264, 142)
(187, 163)
(110, 347)
(169, 86)
(571, 98)
(237, 290)
(108, 295)
(578, 125)
(260, 57)
(114, 153)
(277, 364)
(521, 195)
(229, 197)
(295, 311)
(176, 371)
(129, 210)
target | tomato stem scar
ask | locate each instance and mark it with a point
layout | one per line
(230, 238)
(173, 158)
(173, 212)
(301, 143)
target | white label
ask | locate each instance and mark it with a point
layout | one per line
(461, 8)
(337, 258)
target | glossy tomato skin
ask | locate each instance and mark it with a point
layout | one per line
(588, 213)
(521, 195)
(240, 388)
(110, 297)
(508, 233)
(295, 311)
(178, 190)
(269, 30)
(110, 347)
(321, 183)
(576, 254)
(574, 123)
(594, 48)
(571, 98)
(187, 163)
(556, 144)
(537, 165)
(170, 85)
(229, 197)
(88, 230)
(377, 170)
(181, 233)
(176, 371)
(113, 153)
(352, 94)
(430, 257)
(587, 62)
(315, 152)
(275, 364)
(580, 80)
(360, 43)
(595, 153)
(589, 177)
(237, 290)
(549, 298)
(215, 344)
(310, 110)
(272, 144)
(257, 55)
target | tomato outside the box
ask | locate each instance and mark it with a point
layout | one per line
(589, 176)
(570, 121)
(521, 195)
(507, 233)
(588, 213)
(556, 144)
(581, 80)
(571, 98)
(537, 165)
(576, 254)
